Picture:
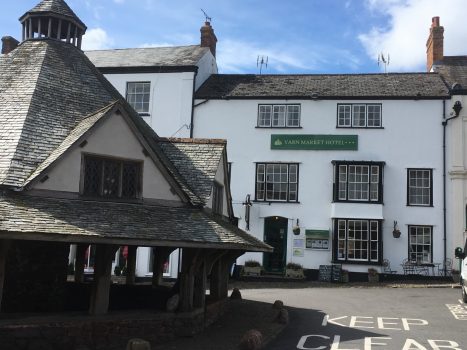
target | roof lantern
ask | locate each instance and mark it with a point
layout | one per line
(53, 19)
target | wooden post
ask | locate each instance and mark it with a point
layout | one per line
(68, 33)
(161, 255)
(80, 38)
(99, 303)
(30, 29)
(24, 31)
(39, 28)
(79, 262)
(187, 278)
(219, 283)
(59, 31)
(199, 298)
(49, 30)
(131, 265)
(4, 246)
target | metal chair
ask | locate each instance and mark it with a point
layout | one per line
(387, 267)
(408, 267)
(445, 266)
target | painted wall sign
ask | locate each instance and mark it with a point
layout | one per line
(315, 142)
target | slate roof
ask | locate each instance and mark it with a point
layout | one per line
(148, 57)
(46, 88)
(58, 7)
(197, 161)
(95, 222)
(325, 86)
(453, 69)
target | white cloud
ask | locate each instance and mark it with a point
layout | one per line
(119, 1)
(97, 39)
(404, 37)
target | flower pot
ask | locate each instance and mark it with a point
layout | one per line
(455, 277)
(251, 270)
(292, 273)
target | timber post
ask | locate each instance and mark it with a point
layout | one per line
(79, 262)
(131, 265)
(99, 303)
(160, 256)
(4, 247)
(187, 278)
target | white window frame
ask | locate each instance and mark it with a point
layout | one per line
(362, 245)
(350, 181)
(133, 97)
(347, 112)
(279, 116)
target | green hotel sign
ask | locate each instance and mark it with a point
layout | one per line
(315, 142)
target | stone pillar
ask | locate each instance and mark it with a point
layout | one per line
(99, 303)
(131, 265)
(79, 262)
(4, 245)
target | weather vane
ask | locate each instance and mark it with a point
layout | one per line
(208, 19)
(383, 60)
(260, 61)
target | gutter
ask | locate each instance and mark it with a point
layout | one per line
(193, 103)
(445, 123)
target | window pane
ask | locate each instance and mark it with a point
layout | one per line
(419, 186)
(374, 116)
(359, 115)
(92, 176)
(111, 179)
(420, 246)
(293, 115)
(277, 182)
(278, 117)
(130, 179)
(264, 117)
(138, 95)
(343, 115)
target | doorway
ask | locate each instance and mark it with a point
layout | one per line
(275, 234)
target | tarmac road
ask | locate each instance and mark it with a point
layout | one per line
(369, 318)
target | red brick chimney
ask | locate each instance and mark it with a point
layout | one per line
(9, 44)
(208, 38)
(434, 44)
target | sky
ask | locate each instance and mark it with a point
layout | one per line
(297, 36)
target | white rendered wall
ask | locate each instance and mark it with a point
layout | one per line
(206, 66)
(170, 101)
(411, 138)
(221, 180)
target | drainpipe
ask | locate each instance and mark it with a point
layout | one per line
(457, 107)
(193, 103)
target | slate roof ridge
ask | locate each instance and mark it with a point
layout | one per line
(192, 140)
(146, 48)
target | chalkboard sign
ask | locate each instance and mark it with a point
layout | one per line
(330, 273)
(325, 273)
(336, 273)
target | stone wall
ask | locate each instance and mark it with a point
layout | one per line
(110, 332)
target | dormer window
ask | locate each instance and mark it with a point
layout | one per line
(111, 178)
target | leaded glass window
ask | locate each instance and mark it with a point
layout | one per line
(111, 178)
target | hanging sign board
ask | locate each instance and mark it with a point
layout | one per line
(315, 142)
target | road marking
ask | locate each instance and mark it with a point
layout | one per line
(459, 311)
(372, 322)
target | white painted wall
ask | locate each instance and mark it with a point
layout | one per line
(207, 65)
(411, 138)
(113, 138)
(219, 177)
(170, 100)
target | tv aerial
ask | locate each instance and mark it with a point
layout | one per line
(262, 61)
(208, 19)
(383, 60)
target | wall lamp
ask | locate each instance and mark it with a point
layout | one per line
(457, 107)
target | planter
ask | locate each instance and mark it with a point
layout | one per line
(345, 276)
(456, 277)
(396, 233)
(251, 270)
(291, 273)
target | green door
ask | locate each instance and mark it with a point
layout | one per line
(275, 234)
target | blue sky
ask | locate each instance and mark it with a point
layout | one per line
(298, 36)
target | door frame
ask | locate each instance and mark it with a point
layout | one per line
(267, 221)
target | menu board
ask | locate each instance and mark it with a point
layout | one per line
(330, 273)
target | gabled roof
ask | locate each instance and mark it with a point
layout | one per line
(41, 218)
(324, 86)
(454, 70)
(175, 56)
(46, 88)
(58, 7)
(197, 161)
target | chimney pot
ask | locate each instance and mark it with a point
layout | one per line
(434, 44)
(9, 44)
(208, 38)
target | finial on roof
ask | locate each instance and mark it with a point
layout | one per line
(53, 19)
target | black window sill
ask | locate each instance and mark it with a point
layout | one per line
(144, 114)
(111, 199)
(276, 202)
(360, 127)
(278, 127)
(420, 205)
(358, 202)
(350, 262)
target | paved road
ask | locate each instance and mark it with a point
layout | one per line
(369, 318)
